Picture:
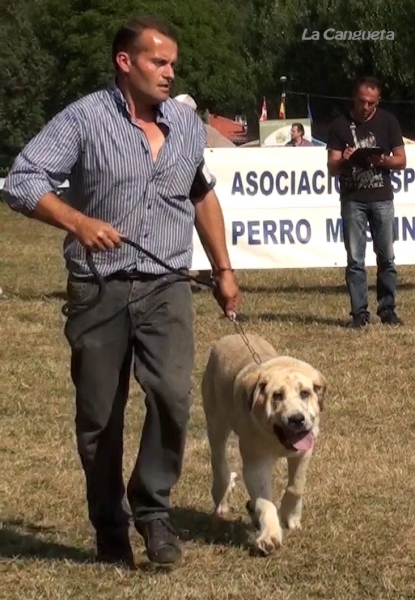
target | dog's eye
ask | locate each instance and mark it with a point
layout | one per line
(304, 394)
(278, 396)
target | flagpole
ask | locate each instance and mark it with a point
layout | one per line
(264, 110)
(283, 80)
(282, 114)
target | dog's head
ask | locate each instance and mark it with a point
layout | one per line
(287, 403)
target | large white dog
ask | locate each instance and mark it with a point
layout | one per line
(274, 409)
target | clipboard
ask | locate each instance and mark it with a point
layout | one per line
(360, 156)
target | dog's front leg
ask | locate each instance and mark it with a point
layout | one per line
(257, 474)
(291, 503)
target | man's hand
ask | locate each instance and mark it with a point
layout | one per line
(377, 161)
(348, 152)
(96, 235)
(227, 293)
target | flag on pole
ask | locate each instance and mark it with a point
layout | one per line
(309, 114)
(281, 113)
(264, 111)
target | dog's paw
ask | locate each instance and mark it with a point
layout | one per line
(291, 512)
(292, 522)
(269, 540)
(221, 510)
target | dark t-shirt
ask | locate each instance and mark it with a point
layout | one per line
(371, 183)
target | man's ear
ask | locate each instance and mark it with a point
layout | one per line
(320, 387)
(254, 389)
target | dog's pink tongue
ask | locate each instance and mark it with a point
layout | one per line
(304, 443)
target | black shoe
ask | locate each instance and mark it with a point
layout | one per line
(113, 547)
(359, 321)
(162, 543)
(389, 317)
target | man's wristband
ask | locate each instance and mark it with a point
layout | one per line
(218, 271)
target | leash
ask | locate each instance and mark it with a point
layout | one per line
(73, 310)
(243, 335)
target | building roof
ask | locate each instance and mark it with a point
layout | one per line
(230, 129)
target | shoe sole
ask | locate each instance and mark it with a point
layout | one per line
(155, 567)
(120, 564)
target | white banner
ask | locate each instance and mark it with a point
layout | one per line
(282, 210)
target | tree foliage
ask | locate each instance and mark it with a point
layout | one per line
(232, 53)
(24, 68)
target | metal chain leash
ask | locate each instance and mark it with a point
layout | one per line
(243, 335)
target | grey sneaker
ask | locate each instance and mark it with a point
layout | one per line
(162, 543)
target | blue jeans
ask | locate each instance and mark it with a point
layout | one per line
(380, 216)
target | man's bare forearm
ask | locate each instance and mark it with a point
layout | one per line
(210, 226)
(395, 162)
(336, 167)
(51, 210)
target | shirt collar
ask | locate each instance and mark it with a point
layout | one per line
(162, 109)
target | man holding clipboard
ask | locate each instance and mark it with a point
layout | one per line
(363, 146)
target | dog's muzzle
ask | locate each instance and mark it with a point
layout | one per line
(295, 435)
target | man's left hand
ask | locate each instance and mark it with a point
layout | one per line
(377, 161)
(227, 293)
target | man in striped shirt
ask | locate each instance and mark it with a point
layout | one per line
(132, 155)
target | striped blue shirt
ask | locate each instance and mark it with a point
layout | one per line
(94, 144)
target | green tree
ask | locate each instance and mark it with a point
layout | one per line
(274, 37)
(25, 70)
(212, 64)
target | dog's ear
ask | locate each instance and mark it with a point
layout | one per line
(320, 387)
(254, 389)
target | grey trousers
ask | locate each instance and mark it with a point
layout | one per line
(150, 322)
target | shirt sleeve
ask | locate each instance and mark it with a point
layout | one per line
(395, 133)
(44, 163)
(210, 180)
(201, 139)
(334, 141)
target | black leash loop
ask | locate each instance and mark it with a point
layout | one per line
(72, 310)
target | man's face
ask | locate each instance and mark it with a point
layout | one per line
(295, 133)
(366, 101)
(150, 71)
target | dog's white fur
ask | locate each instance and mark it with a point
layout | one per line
(255, 401)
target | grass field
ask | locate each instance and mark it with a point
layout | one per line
(358, 537)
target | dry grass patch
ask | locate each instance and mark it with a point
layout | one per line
(358, 538)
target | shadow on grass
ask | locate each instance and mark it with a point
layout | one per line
(301, 319)
(331, 290)
(195, 525)
(19, 539)
(242, 318)
(277, 317)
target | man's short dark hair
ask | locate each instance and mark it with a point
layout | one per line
(127, 38)
(366, 81)
(299, 127)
